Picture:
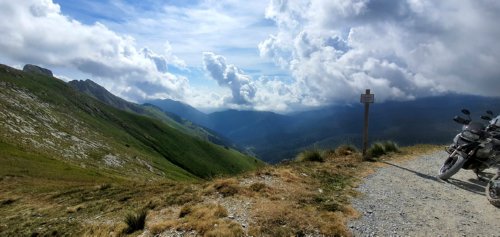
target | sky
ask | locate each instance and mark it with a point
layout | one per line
(274, 55)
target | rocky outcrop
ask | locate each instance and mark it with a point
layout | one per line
(36, 69)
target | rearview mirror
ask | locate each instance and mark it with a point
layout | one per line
(486, 117)
(466, 111)
(460, 120)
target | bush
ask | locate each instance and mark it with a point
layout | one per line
(136, 221)
(390, 146)
(376, 150)
(381, 148)
(310, 155)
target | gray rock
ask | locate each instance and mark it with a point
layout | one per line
(36, 69)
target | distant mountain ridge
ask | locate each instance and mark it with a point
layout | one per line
(274, 137)
(181, 109)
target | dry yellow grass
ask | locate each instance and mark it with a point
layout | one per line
(285, 218)
(258, 187)
(225, 187)
(315, 196)
(287, 175)
(76, 208)
(311, 202)
(288, 199)
(206, 220)
(105, 229)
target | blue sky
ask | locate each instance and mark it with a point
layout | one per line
(275, 55)
(122, 17)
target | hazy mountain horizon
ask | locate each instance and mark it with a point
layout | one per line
(274, 137)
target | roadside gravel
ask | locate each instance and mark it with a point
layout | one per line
(406, 199)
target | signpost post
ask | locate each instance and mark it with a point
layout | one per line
(367, 99)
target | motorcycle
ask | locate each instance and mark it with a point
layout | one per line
(476, 147)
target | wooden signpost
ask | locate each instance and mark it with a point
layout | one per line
(367, 99)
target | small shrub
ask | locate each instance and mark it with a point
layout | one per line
(376, 150)
(381, 148)
(310, 155)
(136, 221)
(390, 146)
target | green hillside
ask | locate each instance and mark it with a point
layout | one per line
(100, 93)
(48, 129)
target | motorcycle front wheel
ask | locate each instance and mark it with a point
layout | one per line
(451, 166)
(493, 191)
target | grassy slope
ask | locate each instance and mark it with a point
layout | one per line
(177, 155)
(19, 163)
(100, 93)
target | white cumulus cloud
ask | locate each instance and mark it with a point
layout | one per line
(263, 93)
(36, 31)
(242, 88)
(335, 49)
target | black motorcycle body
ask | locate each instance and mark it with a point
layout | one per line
(476, 147)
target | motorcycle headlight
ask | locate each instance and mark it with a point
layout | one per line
(470, 136)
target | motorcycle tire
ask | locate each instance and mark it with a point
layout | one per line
(451, 166)
(493, 191)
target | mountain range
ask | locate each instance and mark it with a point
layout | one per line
(50, 129)
(268, 136)
(274, 137)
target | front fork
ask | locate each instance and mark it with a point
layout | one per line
(450, 149)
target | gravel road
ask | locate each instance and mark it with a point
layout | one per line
(406, 199)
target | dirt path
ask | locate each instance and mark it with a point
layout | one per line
(405, 199)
